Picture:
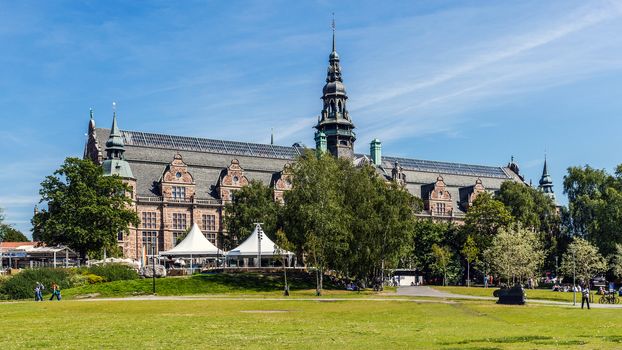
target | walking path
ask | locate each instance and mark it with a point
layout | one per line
(424, 291)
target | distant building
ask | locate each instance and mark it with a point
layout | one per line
(178, 180)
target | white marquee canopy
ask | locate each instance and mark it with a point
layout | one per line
(257, 244)
(194, 245)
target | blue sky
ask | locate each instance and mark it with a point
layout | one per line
(464, 81)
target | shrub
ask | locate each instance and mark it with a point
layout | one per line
(93, 279)
(113, 272)
(21, 285)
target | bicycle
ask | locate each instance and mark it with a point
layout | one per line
(609, 298)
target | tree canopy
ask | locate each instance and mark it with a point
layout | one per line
(85, 210)
(583, 259)
(595, 205)
(515, 253)
(8, 233)
(250, 204)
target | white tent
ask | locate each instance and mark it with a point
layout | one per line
(194, 245)
(257, 245)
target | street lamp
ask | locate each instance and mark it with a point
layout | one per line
(574, 286)
(153, 267)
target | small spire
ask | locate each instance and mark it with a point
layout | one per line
(91, 112)
(272, 136)
(333, 26)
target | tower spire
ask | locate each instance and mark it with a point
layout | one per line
(546, 182)
(334, 122)
(115, 163)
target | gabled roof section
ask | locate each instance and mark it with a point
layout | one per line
(197, 144)
(447, 168)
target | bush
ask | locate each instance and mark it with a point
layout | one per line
(93, 279)
(113, 272)
(22, 285)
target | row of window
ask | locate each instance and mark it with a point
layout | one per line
(180, 221)
(150, 240)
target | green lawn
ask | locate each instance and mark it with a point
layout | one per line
(238, 284)
(542, 294)
(298, 324)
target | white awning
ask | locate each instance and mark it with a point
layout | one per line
(195, 244)
(250, 247)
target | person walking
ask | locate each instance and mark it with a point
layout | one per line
(55, 291)
(585, 297)
(39, 291)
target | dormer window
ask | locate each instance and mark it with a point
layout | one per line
(179, 192)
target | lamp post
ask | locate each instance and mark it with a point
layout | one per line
(574, 273)
(153, 277)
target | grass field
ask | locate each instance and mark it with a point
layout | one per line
(235, 285)
(303, 324)
(542, 294)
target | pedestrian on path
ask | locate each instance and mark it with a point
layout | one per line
(586, 297)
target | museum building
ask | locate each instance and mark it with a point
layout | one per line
(179, 180)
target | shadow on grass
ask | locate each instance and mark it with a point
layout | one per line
(533, 339)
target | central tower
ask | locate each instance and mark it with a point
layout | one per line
(334, 123)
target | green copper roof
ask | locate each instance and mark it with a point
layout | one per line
(117, 167)
(115, 141)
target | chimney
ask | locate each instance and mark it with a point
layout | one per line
(375, 152)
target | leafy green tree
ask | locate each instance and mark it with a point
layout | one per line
(442, 258)
(382, 223)
(615, 261)
(470, 253)
(10, 234)
(426, 234)
(583, 259)
(536, 211)
(515, 253)
(250, 204)
(314, 217)
(595, 206)
(485, 219)
(85, 210)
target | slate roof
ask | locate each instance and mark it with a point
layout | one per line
(150, 153)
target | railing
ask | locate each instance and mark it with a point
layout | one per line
(160, 199)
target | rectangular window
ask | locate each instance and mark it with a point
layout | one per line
(120, 236)
(149, 219)
(179, 221)
(179, 192)
(211, 236)
(440, 208)
(150, 241)
(208, 222)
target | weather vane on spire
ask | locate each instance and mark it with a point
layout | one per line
(114, 107)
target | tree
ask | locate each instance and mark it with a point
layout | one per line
(485, 218)
(250, 204)
(10, 234)
(283, 246)
(515, 253)
(314, 217)
(442, 258)
(85, 209)
(615, 261)
(536, 211)
(470, 253)
(427, 233)
(595, 205)
(583, 260)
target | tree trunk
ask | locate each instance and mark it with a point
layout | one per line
(468, 274)
(318, 282)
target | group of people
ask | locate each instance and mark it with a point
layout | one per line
(39, 288)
